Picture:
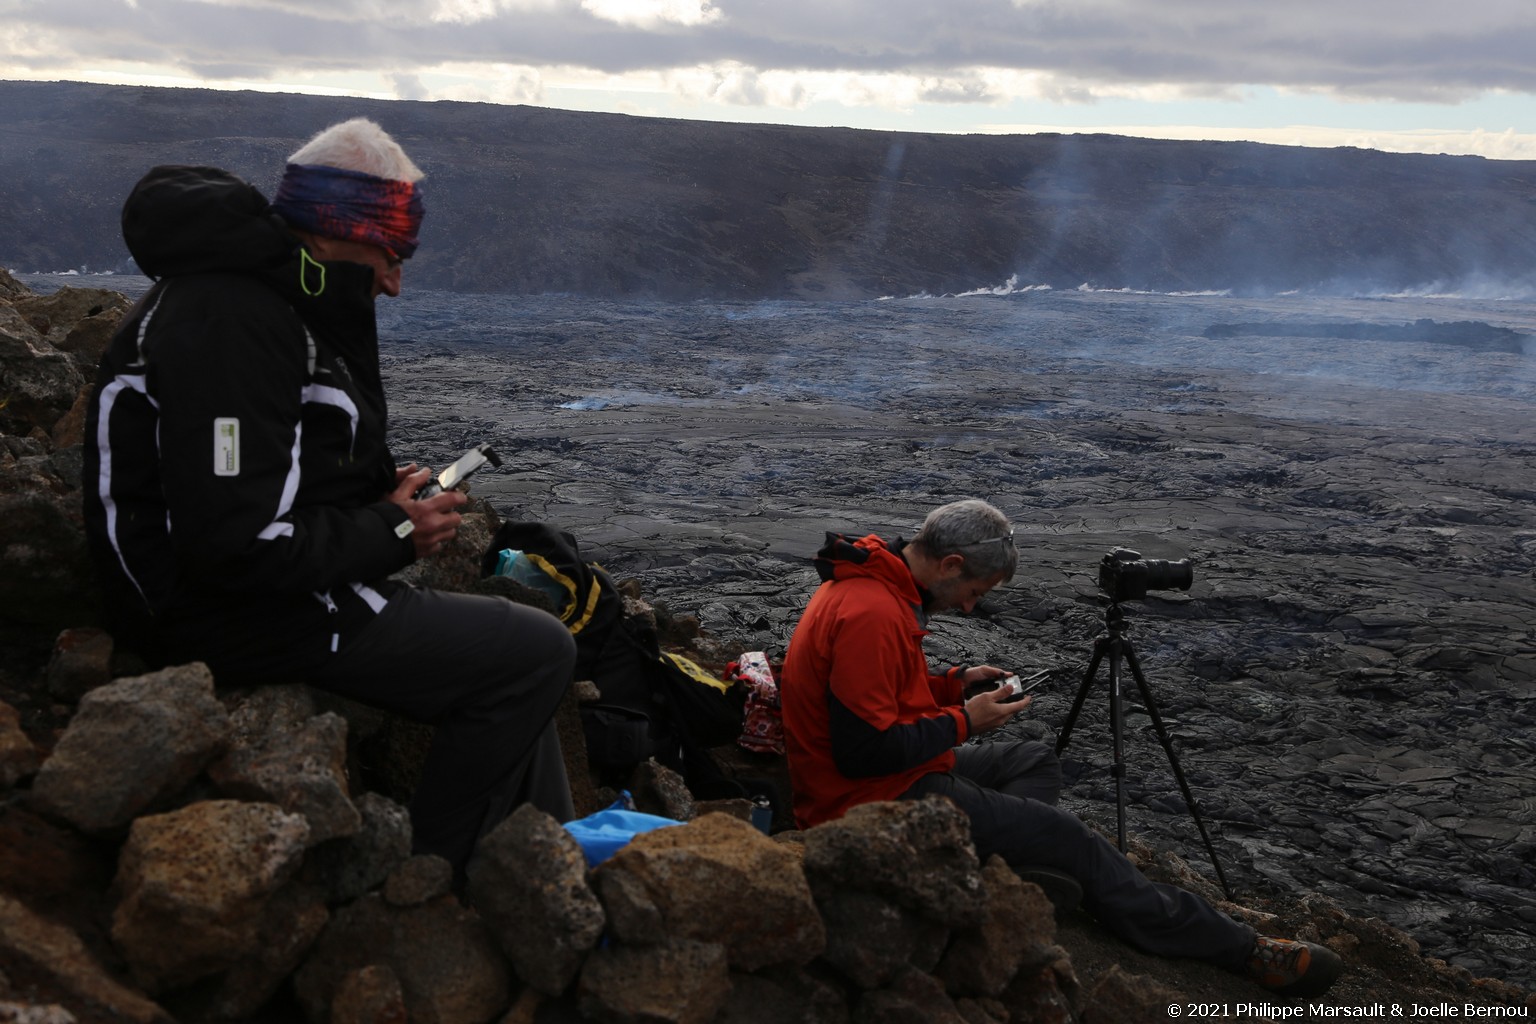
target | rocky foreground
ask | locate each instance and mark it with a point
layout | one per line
(171, 850)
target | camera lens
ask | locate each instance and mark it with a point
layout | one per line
(1166, 575)
(1126, 576)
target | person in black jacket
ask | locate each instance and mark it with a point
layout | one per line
(244, 508)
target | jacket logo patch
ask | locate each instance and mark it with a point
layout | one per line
(226, 446)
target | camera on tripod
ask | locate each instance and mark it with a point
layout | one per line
(1125, 576)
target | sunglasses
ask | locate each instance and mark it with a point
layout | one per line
(1006, 538)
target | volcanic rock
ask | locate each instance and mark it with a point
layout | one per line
(527, 878)
(131, 745)
(669, 882)
(448, 965)
(282, 752)
(35, 950)
(1339, 666)
(680, 981)
(194, 888)
(1018, 919)
(916, 853)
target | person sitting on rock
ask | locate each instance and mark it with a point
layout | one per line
(865, 719)
(243, 506)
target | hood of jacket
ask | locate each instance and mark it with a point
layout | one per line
(186, 220)
(183, 220)
(872, 558)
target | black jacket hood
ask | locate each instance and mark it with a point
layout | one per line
(183, 220)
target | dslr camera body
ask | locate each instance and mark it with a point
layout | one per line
(1125, 576)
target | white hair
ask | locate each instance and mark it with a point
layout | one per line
(359, 145)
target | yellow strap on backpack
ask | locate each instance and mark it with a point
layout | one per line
(696, 672)
(572, 606)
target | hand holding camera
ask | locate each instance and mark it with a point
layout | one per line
(432, 520)
(462, 469)
(1017, 688)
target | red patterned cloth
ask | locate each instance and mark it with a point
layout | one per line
(762, 728)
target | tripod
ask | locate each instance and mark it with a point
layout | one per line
(1118, 647)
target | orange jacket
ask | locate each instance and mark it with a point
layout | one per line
(864, 718)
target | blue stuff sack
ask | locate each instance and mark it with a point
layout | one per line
(604, 833)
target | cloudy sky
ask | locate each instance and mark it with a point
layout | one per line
(1402, 75)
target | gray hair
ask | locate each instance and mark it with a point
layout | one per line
(359, 145)
(975, 530)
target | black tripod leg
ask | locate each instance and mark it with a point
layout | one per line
(1173, 760)
(1082, 692)
(1117, 732)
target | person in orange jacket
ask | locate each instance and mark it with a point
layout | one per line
(866, 719)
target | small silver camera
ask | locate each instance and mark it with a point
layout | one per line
(462, 468)
(1017, 687)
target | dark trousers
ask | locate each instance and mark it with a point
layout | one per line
(1009, 790)
(488, 674)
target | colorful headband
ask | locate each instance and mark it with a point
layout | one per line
(336, 203)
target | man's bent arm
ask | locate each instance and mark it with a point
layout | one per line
(861, 750)
(240, 530)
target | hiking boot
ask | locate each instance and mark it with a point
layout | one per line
(1289, 967)
(1060, 888)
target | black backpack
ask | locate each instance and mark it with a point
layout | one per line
(654, 704)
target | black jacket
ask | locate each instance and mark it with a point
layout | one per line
(236, 465)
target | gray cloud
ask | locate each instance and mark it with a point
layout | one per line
(1367, 49)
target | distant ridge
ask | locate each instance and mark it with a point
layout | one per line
(532, 200)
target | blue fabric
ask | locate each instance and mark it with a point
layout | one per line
(603, 834)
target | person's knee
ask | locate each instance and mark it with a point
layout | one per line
(536, 634)
(548, 651)
(1035, 766)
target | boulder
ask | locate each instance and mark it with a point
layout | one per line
(528, 879)
(10, 288)
(280, 752)
(871, 939)
(350, 866)
(661, 791)
(780, 994)
(40, 382)
(53, 868)
(19, 756)
(31, 1013)
(288, 925)
(49, 959)
(912, 997)
(716, 879)
(132, 746)
(419, 880)
(81, 661)
(676, 982)
(1018, 924)
(90, 335)
(449, 968)
(69, 430)
(48, 579)
(194, 885)
(369, 995)
(1123, 998)
(57, 315)
(917, 853)
(1045, 994)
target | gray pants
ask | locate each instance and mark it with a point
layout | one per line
(488, 674)
(1009, 790)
